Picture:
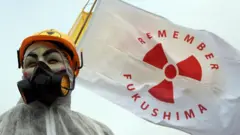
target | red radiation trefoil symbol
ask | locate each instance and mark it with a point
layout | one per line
(189, 67)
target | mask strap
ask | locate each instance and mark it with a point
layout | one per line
(81, 53)
(74, 76)
(73, 83)
(18, 57)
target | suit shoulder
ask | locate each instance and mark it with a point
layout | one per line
(96, 125)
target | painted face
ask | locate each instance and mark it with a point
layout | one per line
(47, 53)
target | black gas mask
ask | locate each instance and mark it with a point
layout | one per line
(44, 85)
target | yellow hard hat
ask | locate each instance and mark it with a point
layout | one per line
(52, 35)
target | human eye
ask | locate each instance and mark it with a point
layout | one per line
(30, 62)
(52, 61)
(53, 58)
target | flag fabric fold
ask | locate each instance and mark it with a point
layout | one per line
(162, 72)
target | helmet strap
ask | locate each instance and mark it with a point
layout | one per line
(18, 56)
(81, 61)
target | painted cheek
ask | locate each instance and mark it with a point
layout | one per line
(25, 74)
(62, 68)
(58, 68)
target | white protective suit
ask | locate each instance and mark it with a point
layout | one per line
(58, 119)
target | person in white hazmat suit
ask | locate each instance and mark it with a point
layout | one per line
(49, 64)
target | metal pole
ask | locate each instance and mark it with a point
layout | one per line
(85, 22)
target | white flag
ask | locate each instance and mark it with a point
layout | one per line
(164, 73)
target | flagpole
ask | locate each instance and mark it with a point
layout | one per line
(79, 17)
(85, 22)
(85, 5)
